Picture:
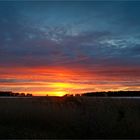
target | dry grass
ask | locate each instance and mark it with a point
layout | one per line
(69, 117)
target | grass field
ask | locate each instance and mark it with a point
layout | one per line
(69, 117)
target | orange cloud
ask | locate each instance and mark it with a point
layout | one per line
(62, 80)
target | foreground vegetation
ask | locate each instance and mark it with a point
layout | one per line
(69, 117)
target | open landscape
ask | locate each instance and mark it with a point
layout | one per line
(69, 117)
(69, 69)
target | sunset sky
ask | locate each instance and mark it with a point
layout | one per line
(63, 47)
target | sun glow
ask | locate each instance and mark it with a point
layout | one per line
(60, 89)
(61, 85)
(49, 93)
(59, 93)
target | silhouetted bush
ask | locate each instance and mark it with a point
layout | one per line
(28, 94)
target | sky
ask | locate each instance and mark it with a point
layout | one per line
(60, 47)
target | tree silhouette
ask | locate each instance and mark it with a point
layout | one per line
(9, 93)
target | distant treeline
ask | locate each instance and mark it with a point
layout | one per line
(9, 93)
(113, 93)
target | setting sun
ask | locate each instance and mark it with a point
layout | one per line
(58, 93)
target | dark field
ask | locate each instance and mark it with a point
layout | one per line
(69, 117)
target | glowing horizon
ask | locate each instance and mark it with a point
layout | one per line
(59, 81)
